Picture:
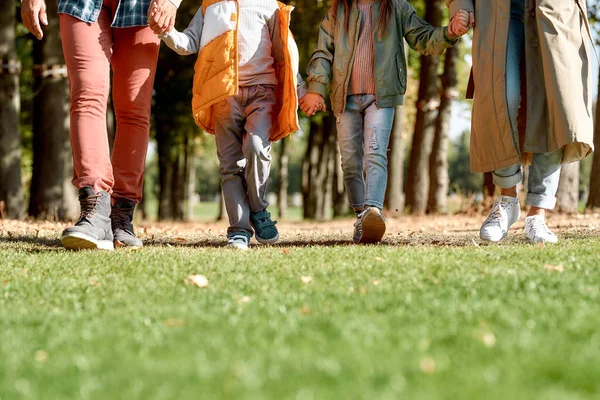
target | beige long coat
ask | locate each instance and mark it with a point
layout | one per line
(556, 110)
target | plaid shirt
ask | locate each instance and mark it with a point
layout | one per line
(129, 12)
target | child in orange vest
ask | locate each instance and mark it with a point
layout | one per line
(245, 93)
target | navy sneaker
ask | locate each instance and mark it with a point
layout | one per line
(93, 229)
(121, 217)
(264, 227)
(238, 240)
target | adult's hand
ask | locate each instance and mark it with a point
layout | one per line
(33, 14)
(161, 16)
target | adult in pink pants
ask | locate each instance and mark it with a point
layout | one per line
(98, 34)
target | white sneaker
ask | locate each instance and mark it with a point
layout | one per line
(506, 211)
(536, 230)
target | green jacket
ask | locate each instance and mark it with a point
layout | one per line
(335, 51)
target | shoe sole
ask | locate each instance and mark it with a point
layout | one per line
(485, 239)
(373, 227)
(121, 245)
(81, 241)
(237, 247)
(267, 241)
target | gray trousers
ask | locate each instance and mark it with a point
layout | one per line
(242, 126)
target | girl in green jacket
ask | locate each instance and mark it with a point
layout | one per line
(360, 54)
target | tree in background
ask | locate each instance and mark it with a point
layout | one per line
(417, 186)
(567, 197)
(459, 169)
(394, 195)
(52, 195)
(174, 124)
(282, 189)
(11, 193)
(439, 180)
(594, 190)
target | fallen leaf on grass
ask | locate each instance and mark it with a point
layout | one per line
(363, 290)
(540, 245)
(286, 251)
(94, 282)
(306, 279)
(197, 280)
(244, 300)
(305, 310)
(380, 259)
(173, 323)
(180, 240)
(554, 268)
(489, 340)
(375, 282)
(428, 365)
(41, 355)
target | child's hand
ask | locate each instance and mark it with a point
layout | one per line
(311, 103)
(461, 23)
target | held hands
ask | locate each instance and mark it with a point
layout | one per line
(311, 103)
(161, 16)
(33, 12)
(461, 22)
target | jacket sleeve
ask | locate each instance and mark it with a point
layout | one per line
(188, 41)
(275, 32)
(301, 88)
(456, 5)
(420, 35)
(319, 68)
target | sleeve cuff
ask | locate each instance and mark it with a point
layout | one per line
(176, 3)
(450, 39)
(316, 87)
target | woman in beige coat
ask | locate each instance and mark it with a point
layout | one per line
(531, 63)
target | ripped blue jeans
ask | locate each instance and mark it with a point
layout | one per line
(364, 133)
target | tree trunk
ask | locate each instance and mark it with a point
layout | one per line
(190, 179)
(594, 196)
(568, 190)
(222, 209)
(52, 195)
(282, 190)
(178, 189)
(166, 167)
(439, 180)
(394, 195)
(317, 167)
(417, 188)
(341, 205)
(11, 193)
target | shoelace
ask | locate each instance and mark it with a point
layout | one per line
(540, 225)
(496, 213)
(88, 206)
(121, 218)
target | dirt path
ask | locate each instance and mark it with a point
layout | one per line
(458, 230)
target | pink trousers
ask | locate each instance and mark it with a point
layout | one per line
(90, 50)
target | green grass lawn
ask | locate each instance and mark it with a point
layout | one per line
(375, 322)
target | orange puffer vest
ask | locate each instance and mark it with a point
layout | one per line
(216, 69)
